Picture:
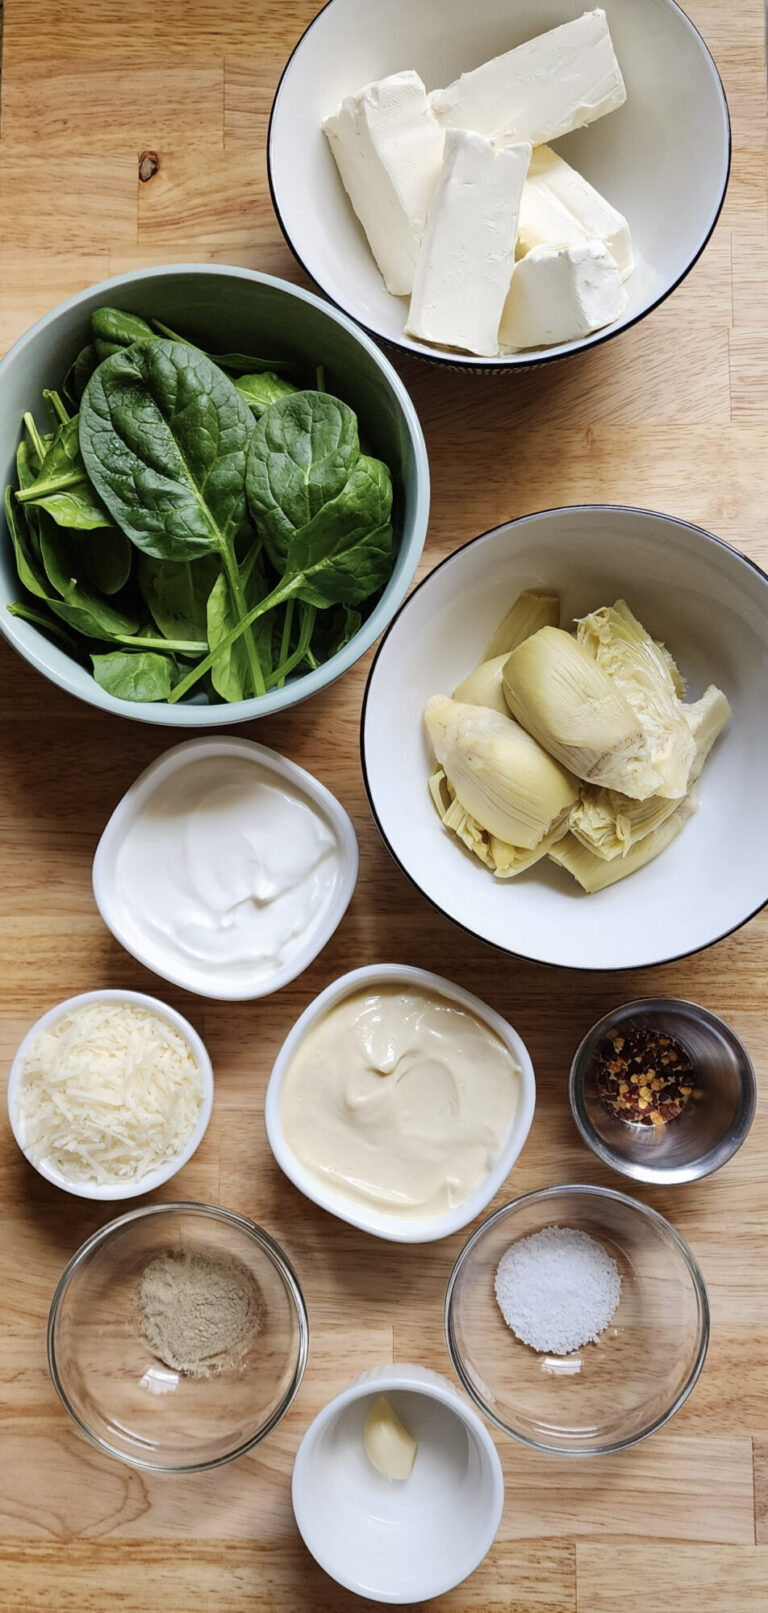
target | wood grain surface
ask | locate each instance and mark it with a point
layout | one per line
(672, 415)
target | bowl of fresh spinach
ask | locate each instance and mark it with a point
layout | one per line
(216, 495)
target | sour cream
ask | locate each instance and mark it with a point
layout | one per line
(401, 1100)
(224, 873)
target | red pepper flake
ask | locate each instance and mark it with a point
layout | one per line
(650, 1082)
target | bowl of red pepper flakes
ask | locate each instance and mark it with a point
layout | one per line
(662, 1090)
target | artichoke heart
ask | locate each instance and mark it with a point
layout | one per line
(641, 670)
(706, 719)
(500, 776)
(483, 687)
(610, 824)
(571, 705)
(504, 860)
(594, 873)
(529, 612)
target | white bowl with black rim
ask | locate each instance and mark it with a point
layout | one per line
(662, 159)
(709, 604)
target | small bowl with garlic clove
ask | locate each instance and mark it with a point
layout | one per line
(398, 1540)
(663, 1091)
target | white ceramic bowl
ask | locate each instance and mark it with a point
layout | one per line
(710, 605)
(399, 1228)
(153, 1179)
(147, 949)
(662, 159)
(400, 1541)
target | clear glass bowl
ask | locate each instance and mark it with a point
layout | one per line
(121, 1395)
(604, 1396)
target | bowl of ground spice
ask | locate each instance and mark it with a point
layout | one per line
(577, 1320)
(177, 1337)
(663, 1091)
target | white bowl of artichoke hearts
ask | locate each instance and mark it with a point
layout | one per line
(563, 737)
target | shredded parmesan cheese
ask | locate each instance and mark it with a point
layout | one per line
(109, 1092)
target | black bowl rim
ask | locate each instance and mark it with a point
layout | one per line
(535, 515)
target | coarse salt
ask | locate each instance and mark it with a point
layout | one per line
(557, 1289)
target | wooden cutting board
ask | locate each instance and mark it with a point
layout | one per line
(672, 415)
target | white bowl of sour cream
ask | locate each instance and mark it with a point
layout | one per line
(225, 868)
(400, 1102)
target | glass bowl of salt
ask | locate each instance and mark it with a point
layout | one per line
(177, 1337)
(577, 1320)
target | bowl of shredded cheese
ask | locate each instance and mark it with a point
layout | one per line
(110, 1094)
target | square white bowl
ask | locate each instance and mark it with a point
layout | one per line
(395, 1227)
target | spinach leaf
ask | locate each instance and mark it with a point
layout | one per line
(135, 675)
(238, 363)
(345, 554)
(79, 374)
(164, 436)
(342, 556)
(112, 329)
(260, 391)
(333, 631)
(58, 413)
(176, 592)
(28, 567)
(86, 609)
(39, 443)
(25, 472)
(83, 611)
(229, 670)
(107, 557)
(37, 616)
(61, 485)
(302, 453)
(288, 661)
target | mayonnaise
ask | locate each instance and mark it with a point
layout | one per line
(401, 1099)
(224, 872)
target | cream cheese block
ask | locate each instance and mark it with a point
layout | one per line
(541, 90)
(560, 208)
(388, 148)
(561, 295)
(465, 262)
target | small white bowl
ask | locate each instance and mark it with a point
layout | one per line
(662, 158)
(105, 889)
(153, 1179)
(399, 1228)
(710, 606)
(399, 1541)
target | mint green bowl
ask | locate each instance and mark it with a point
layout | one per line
(226, 309)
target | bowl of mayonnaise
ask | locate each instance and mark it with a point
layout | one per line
(400, 1102)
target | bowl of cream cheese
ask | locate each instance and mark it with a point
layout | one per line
(494, 186)
(225, 868)
(400, 1102)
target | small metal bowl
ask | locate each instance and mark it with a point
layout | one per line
(706, 1133)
